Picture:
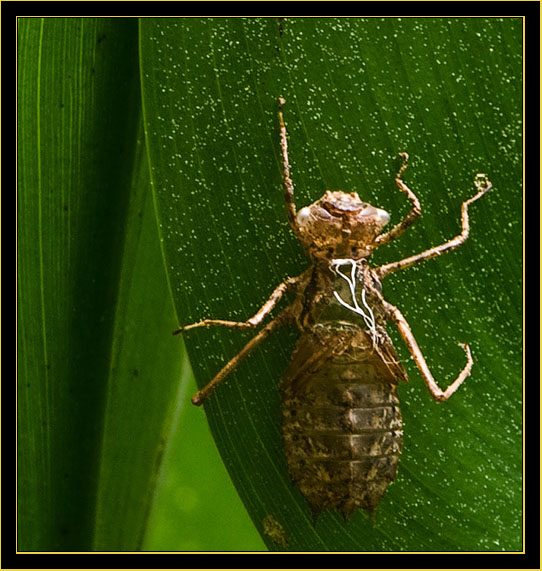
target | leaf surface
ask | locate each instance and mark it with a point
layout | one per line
(358, 91)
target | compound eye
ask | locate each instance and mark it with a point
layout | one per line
(383, 216)
(303, 216)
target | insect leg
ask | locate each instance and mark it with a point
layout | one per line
(404, 329)
(483, 185)
(287, 184)
(282, 318)
(287, 284)
(411, 217)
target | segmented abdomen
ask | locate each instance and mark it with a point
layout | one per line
(341, 422)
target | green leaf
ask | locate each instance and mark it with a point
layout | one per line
(143, 390)
(98, 370)
(358, 91)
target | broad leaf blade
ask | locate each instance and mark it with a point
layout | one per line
(358, 91)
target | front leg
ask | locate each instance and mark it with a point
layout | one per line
(483, 185)
(287, 184)
(404, 329)
(411, 217)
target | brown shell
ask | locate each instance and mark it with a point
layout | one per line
(341, 420)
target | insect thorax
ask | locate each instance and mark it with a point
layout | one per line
(349, 293)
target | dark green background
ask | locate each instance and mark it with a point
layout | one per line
(107, 107)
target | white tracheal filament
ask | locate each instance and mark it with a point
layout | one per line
(366, 312)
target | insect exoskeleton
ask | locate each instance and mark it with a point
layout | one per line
(341, 418)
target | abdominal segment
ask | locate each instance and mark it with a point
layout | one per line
(341, 425)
